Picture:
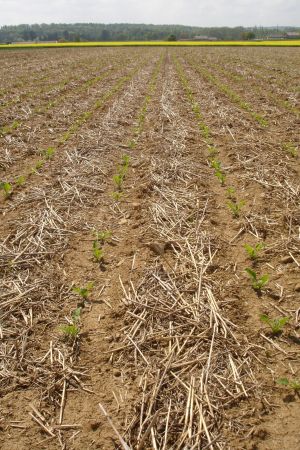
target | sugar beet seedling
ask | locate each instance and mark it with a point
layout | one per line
(221, 177)
(103, 236)
(84, 291)
(97, 251)
(254, 251)
(6, 188)
(292, 384)
(71, 331)
(230, 192)
(236, 207)
(276, 325)
(257, 283)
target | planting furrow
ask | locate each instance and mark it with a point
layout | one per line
(54, 93)
(64, 135)
(229, 93)
(244, 84)
(25, 179)
(179, 343)
(40, 99)
(284, 65)
(283, 137)
(112, 248)
(266, 248)
(58, 96)
(242, 68)
(37, 289)
(45, 68)
(36, 92)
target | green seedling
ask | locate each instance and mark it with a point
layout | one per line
(122, 171)
(9, 128)
(66, 136)
(4, 131)
(230, 192)
(103, 236)
(263, 122)
(205, 130)
(6, 188)
(49, 152)
(212, 151)
(254, 251)
(71, 330)
(221, 177)
(21, 180)
(276, 325)
(118, 180)
(195, 106)
(291, 149)
(84, 292)
(235, 207)
(39, 164)
(117, 196)
(76, 315)
(125, 160)
(257, 283)
(293, 384)
(48, 106)
(15, 125)
(97, 251)
(215, 164)
(132, 144)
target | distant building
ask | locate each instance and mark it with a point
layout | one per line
(204, 38)
(293, 35)
(289, 35)
(201, 38)
(276, 37)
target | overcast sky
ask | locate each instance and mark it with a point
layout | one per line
(186, 12)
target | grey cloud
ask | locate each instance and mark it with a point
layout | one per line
(188, 12)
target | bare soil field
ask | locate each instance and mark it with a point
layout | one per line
(150, 249)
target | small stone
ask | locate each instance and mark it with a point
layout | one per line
(123, 221)
(117, 373)
(95, 425)
(297, 287)
(286, 260)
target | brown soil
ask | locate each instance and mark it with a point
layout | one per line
(170, 340)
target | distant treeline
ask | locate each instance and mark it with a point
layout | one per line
(127, 32)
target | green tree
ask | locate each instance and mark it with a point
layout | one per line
(248, 35)
(105, 35)
(172, 37)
